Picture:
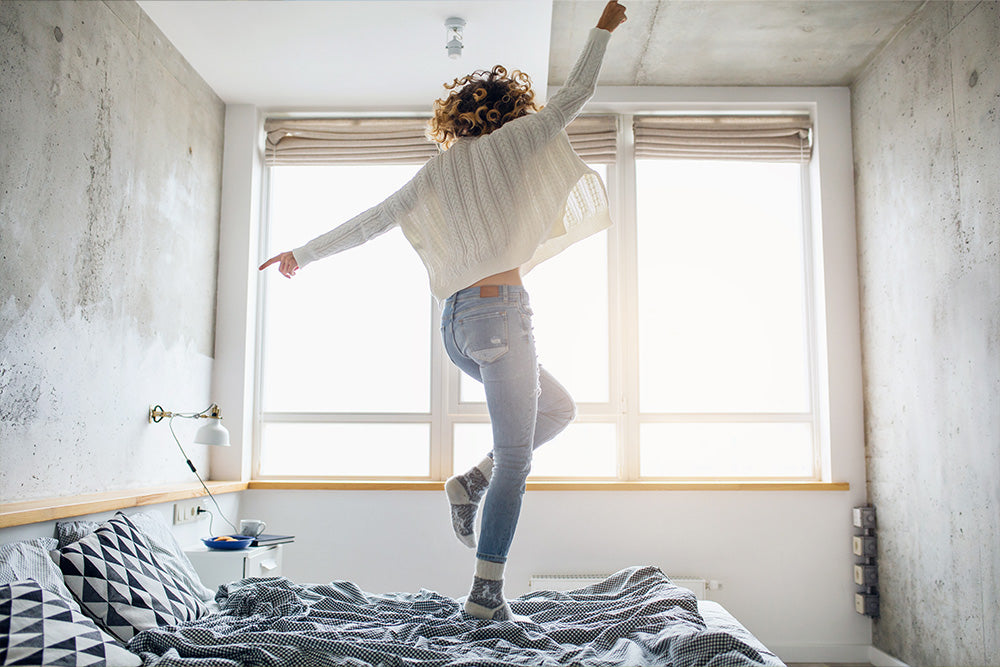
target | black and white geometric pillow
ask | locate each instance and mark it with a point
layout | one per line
(119, 582)
(37, 627)
(158, 535)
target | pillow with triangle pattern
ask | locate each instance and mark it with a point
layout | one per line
(37, 627)
(118, 581)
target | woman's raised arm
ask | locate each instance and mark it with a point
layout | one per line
(613, 16)
(579, 86)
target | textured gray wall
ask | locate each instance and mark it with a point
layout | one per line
(109, 200)
(927, 147)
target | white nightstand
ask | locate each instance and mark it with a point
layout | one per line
(218, 566)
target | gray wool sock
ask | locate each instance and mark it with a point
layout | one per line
(486, 600)
(464, 493)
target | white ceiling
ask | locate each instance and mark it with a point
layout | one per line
(303, 55)
(349, 54)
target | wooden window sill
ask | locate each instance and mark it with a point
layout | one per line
(420, 485)
(50, 509)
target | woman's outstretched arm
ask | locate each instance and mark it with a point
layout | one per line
(581, 83)
(361, 228)
(354, 232)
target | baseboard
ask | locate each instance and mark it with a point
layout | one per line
(819, 653)
(849, 653)
(880, 658)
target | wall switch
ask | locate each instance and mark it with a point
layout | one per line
(186, 511)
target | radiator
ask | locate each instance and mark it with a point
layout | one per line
(567, 582)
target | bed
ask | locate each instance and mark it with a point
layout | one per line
(123, 593)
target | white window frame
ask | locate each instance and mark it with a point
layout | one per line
(630, 366)
(623, 380)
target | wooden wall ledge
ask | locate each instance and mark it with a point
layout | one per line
(49, 509)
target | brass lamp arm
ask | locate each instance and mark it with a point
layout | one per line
(157, 414)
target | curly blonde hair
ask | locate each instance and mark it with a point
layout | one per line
(480, 103)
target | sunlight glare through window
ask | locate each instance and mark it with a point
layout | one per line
(345, 450)
(722, 320)
(719, 386)
(726, 450)
(582, 450)
(569, 297)
(349, 333)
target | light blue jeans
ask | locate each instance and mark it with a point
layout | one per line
(487, 334)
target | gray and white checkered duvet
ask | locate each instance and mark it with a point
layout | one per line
(635, 617)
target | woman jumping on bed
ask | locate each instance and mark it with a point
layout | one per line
(506, 192)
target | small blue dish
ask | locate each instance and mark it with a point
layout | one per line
(238, 542)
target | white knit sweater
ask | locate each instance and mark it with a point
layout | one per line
(512, 198)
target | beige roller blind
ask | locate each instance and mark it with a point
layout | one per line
(321, 141)
(763, 138)
(594, 138)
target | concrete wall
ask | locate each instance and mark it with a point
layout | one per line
(927, 151)
(109, 199)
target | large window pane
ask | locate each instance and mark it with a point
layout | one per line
(350, 333)
(722, 321)
(725, 450)
(582, 450)
(345, 450)
(569, 296)
(720, 317)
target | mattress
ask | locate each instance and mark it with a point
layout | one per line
(717, 618)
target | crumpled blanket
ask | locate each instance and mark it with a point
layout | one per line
(635, 617)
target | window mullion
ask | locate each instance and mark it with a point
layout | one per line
(346, 417)
(263, 242)
(811, 260)
(628, 306)
(441, 431)
(614, 409)
(727, 418)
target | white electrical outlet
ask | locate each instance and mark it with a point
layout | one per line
(186, 511)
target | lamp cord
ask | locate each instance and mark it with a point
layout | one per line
(211, 522)
(170, 423)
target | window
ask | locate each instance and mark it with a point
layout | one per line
(346, 340)
(723, 361)
(684, 333)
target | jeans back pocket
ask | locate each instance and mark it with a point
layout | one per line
(484, 336)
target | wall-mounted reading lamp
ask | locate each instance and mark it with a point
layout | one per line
(212, 433)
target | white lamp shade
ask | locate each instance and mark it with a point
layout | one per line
(212, 433)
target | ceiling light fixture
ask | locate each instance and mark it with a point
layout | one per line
(454, 44)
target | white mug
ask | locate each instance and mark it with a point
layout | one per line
(252, 527)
